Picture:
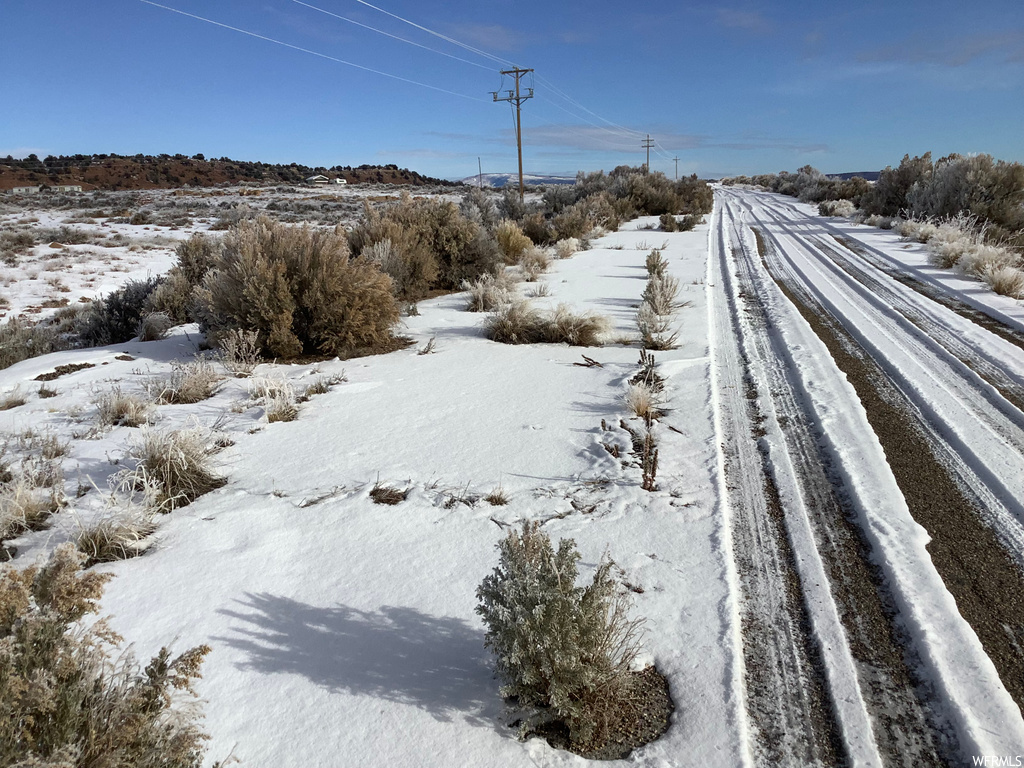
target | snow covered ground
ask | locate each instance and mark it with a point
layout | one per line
(344, 632)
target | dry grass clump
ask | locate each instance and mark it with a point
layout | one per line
(24, 506)
(511, 240)
(68, 696)
(299, 290)
(321, 386)
(116, 408)
(561, 649)
(277, 396)
(187, 383)
(386, 494)
(563, 326)
(643, 401)
(239, 352)
(497, 498)
(534, 263)
(120, 535)
(1006, 281)
(176, 464)
(45, 391)
(488, 292)
(518, 322)
(12, 399)
(564, 249)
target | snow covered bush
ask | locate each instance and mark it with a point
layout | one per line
(176, 465)
(564, 249)
(299, 290)
(840, 208)
(655, 329)
(68, 696)
(562, 649)
(655, 263)
(24, 506)
(240, 352)
(154, 326)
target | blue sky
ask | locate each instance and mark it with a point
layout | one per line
(727, 88)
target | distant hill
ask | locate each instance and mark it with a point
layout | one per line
(168, 171)
(499, 180)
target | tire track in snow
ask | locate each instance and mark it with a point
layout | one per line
(987, 587)
(787, 698)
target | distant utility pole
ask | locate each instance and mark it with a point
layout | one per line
(480, 174)
(648, 143)
(677, 167)
(516, 97)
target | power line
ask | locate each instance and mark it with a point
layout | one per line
(312, 53)
(451, 40)
(395, 37)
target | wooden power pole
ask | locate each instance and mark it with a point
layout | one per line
(677, 167)
(648, 143)
(517, 97)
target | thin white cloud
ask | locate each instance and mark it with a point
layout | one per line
(747, 21)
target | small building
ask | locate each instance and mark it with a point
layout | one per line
(68, 188)
(339, 180)
(26, 190)
(317, 180)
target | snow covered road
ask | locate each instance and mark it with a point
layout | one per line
(866, 390)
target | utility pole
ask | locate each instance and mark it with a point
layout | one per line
(677, 167)
(480, 173)
(648, 143)
(517, 97)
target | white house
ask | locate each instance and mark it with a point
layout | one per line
(25, 190)
(68, 188)
(318, 179)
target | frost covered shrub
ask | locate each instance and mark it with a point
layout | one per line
(563, 326)
(187, 383)
(564, 249)
(196, 256)
(840, 208)
(479, 206)
(534, 263)
(517, 322)
(154, 326)
(240, 352)
(661, 293)
(116, 317)
(511, 240)
(425, 231)
(489, 292)
(21, 339)
(26, 507)
(411, 267)
(175, 295)
(560, 648)
(655, 263)
(558, 197)
(1006, 280)
(298, 289)
(655, 329)
(889, 195)
(538, 229)
(117, 408)
(119, 535)
(575, 221)
(176, 464)
(68, 696)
